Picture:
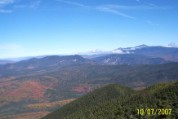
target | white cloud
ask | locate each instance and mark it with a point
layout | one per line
(117, 12)
(3, 2)
(17, 4)
(98, 8)
(117, 9)
(74, 3)
(137, 7)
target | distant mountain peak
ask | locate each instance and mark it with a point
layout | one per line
(141, 46)
(174, 45)
(132, 48)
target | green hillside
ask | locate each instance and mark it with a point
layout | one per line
(118, 102)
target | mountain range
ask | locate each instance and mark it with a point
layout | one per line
(167, 53)
(39, 85)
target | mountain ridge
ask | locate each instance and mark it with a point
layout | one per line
(124, 50)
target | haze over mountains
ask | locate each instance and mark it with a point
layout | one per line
(43, 84)
(166, 53)
(141, 49)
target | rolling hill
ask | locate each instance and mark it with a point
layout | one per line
(115, 101)
(44, 64)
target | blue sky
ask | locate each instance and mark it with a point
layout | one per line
(42, 27)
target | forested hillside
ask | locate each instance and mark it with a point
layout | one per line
(118, 102)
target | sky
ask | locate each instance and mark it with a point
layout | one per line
(47, 27)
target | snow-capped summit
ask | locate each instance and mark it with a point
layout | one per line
(121, 51)
(129, 50)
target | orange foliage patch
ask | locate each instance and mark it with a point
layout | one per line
(28, 89)
(49, 104)
(82, 89)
